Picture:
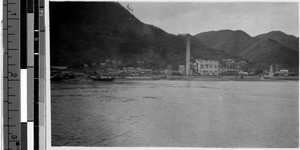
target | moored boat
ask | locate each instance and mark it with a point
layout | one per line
(56, 78)
(158, 77)
(265, 78)
(102, 78)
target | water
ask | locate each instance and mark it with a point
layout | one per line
(175, 114)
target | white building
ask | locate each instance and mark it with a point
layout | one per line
(230, 64)
(271, 73)
(284, 72)
(182, 69)
(207, 67)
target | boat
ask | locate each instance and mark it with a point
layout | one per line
(102, 78)
(158, 77)
(56, 78)
(265, 78)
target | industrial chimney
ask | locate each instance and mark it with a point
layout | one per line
(188, 55)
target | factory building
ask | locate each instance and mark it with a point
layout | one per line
(207, 67)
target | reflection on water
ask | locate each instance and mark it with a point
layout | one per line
(175, 113)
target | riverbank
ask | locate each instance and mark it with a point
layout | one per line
(213, 78)
(233, 78)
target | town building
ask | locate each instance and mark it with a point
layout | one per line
(271, 73)
(284, 72)
(86, 66)
(207, 67)
(181, 69)
(102, 64)
(58, 67)
(241, 65)
(169, 70)
(230, 64)
(243, 73)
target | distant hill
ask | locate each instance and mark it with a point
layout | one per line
(88, 32)
(289, 41)
(228, 40)
(93, 32)
(274, 48)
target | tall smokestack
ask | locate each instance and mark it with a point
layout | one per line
(187, 63)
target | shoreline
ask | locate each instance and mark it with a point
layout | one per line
(213, 78)
(194, 78)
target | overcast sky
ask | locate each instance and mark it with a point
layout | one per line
(191, 17)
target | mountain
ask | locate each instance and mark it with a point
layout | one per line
(264, 54)
(228, 40)
(289, 41)
(93, 32)
(274, 48)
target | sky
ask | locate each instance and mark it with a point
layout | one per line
(194, 17)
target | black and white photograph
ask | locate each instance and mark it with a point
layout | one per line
(174, 74)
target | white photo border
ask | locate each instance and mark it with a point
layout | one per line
(47, 87)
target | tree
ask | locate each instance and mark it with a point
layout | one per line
(130, 9)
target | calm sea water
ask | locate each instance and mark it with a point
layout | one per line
(175, 113)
